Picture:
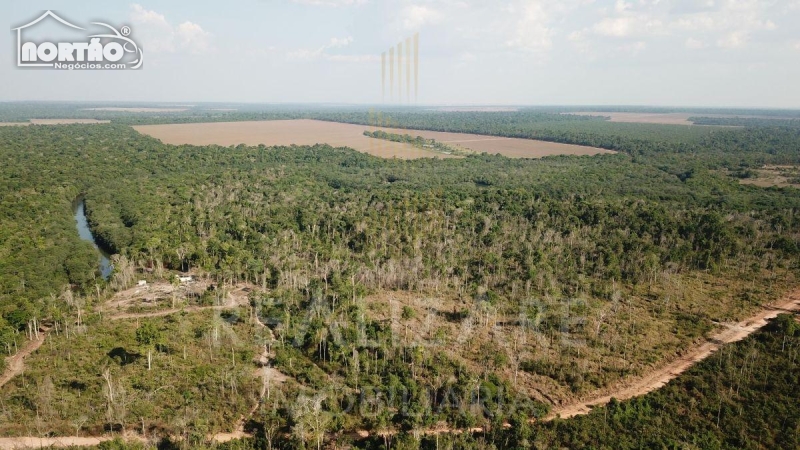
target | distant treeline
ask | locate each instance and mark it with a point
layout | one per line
(777, 121)
(419, 142)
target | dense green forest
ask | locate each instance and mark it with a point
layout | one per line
(354, 262)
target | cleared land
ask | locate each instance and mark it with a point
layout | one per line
(774, 176)
(475, 109)
(136, 110)
(310, 132)
(660, 118)
(732, 333)
(678, 118)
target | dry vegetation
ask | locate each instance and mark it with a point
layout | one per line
(309, 132)
(561, 353)
(773, 176)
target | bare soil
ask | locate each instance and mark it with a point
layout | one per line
(137, 110)
(310, 132)
(16, 364)
(775, 176)
(663, 375)
(656, 379)
(660, 118)
(677, 118)
(162, 298)
(270, 376)
(13, 443)
(476, 109)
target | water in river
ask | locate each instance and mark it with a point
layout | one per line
(86, 234)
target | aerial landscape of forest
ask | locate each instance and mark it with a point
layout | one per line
(310, 295)
(400, 225)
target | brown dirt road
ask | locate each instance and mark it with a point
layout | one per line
(268, 375)
(643, 385)
(15, 364)
(35, 442)
(660, 377)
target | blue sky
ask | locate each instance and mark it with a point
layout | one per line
(640, 52)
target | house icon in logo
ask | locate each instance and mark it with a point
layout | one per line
(109, 48)
(47, 14)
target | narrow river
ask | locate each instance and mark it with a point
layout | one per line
(86, 234)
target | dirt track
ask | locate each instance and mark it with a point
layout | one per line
(35, 442)
(15, 364)
(268, 375)
(660, 377)
(654, 380)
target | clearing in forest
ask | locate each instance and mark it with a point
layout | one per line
(310, 132)
(136, 110)
(771, 176)
(631, 117)
(676, 118)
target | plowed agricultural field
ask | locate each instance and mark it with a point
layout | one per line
(310, 132)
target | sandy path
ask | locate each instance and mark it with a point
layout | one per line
(34, 442)
(236, 297)
(660, 377)
(268, 375)
(167, 312)
(15, 364)
(654, 380)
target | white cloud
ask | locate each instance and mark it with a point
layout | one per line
(417, 16)
(727, 23)
(305, 54)
(352, 58)
(735, 39)
(533, 33)
(192, 37)
(159, 36)
(330, 2)
(622, 6)
(730, 22)
(695, 44)
(616, 27)
(339, 42)
(634, 48)
(467, 57)
(152, 29)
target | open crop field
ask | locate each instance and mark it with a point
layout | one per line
(309, 132)
(673, 118)
(629, 117)
(136, 110)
